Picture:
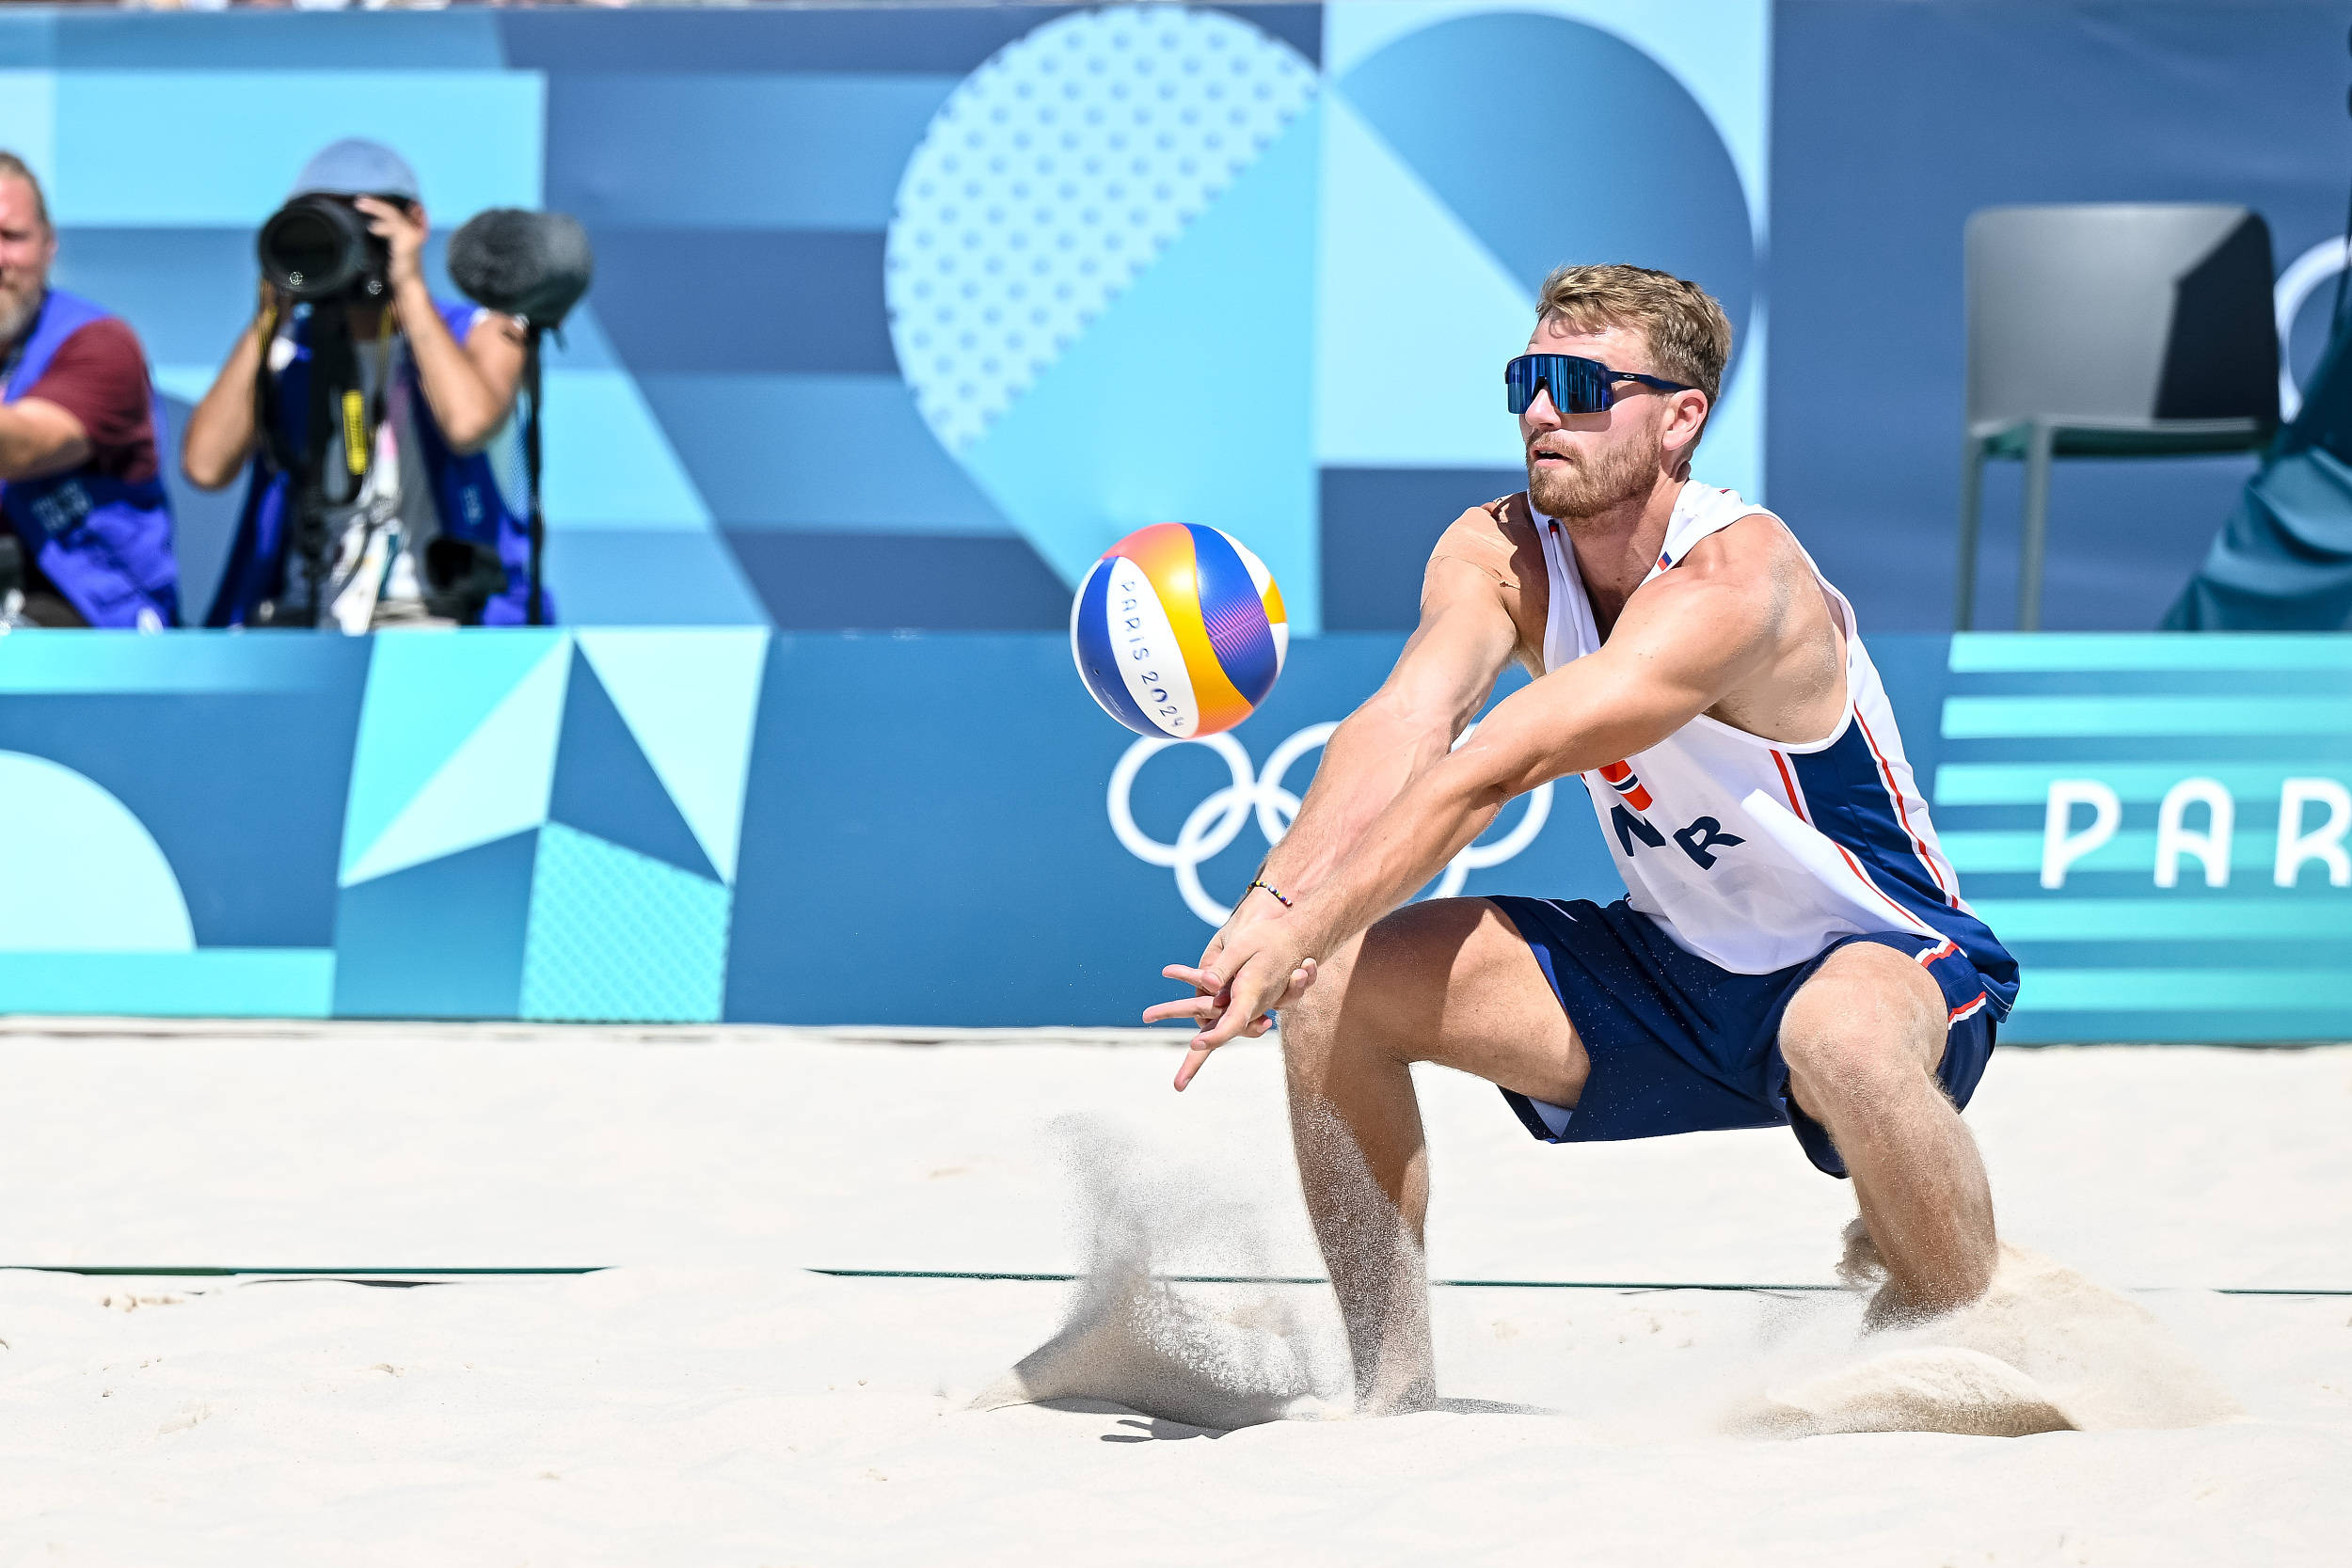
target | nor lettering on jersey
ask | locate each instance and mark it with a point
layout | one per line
(1699, 840)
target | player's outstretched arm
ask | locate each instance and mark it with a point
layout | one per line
(1442, 678)
(1464, 636)
(1681, 647)
(1440, 681)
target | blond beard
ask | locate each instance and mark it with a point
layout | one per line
(17, 312)
(1624, 472)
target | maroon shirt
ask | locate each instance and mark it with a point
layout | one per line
(99, 375)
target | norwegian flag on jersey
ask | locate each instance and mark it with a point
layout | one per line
(1629, 784)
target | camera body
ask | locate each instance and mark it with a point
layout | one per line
(318, 247)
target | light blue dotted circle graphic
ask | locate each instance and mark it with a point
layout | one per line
(1053, 176)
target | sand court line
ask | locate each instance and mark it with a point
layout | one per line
(455, 1275)
(1318, 1279)
(208, 1271)
(1628, 1286)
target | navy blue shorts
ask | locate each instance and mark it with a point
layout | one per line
(1677, 1045)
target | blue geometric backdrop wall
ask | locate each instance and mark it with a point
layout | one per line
(1295, 336)
(900, 318)
(730, 823)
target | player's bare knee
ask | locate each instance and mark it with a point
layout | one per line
(1870, 1013)
(1834, 1070)
(1308, 1025)
(1312, 1026)
(1353, 1009)
(1854, 1039)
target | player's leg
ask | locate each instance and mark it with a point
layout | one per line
(1450, 981)
(1863, 1037)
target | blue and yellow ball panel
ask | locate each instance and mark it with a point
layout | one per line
(1234, 614)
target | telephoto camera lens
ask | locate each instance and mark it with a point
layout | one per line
(318, 247)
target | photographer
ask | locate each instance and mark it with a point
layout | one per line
(88, 527)
(386, 470)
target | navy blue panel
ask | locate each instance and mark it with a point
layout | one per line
(243, 789)
(605, 786)
(879, 582)
(1891, 124)
(1299, 25)
(953, 39)
(1378, 527)
(442, 940)
(251, 40)
(719, 299)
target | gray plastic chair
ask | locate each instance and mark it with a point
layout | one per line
(2108, 331)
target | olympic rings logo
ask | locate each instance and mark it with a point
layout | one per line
(1213, 824)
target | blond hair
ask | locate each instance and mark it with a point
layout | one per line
(1688, 335)
(12, 165)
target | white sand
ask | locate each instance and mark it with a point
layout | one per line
(710, 1402)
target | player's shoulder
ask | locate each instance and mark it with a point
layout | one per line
(1510, 515)
(1506, 521)
(1742, 574)
(1497, 538)
(1747, 544)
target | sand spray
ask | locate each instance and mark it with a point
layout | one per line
(1212, 1356)
(2047, 1349)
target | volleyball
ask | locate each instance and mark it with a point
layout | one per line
(1178, 631)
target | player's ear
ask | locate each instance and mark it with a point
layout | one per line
(1685, 417)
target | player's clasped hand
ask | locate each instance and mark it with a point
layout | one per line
(1240, 983)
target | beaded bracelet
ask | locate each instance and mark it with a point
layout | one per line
(1269, 887)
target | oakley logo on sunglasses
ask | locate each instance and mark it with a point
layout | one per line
(1577, 386)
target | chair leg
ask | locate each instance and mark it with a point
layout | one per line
(1971, 520)
(2034, 539)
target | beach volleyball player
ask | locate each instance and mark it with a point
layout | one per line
(1794, 950)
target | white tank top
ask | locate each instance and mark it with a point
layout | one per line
(1755, 854)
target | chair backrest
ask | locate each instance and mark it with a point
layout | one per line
(2120, 315)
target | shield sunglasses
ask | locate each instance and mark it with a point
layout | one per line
(1577, 386)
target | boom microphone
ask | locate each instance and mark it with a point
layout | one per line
(534, 265)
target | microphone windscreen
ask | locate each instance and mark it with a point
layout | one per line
(535, 265)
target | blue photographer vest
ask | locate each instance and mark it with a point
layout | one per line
(464, 494)
(105, 542)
